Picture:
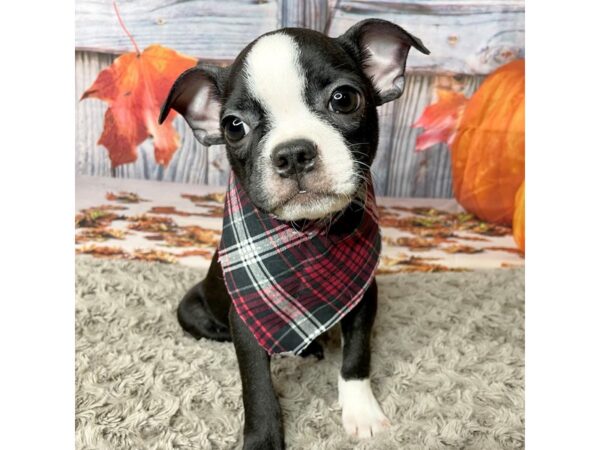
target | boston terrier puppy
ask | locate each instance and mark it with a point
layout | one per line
(297, 113)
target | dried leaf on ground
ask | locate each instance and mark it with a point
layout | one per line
(429, 219)
(102, 251)
(152, 224)
(193, 236)
(205, 253)
(171, 210)
(507, 265)
(96, 218)
(516, 251)
(472, 238)
(406, 263)
(109, 207)
(99, 235)
(218, 197)
(460, 248)
(153, 255)
(486, 229)
(155, 237)
(415, 244)
(124, 197)
(215, 211)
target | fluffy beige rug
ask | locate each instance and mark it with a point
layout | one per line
(447, 366)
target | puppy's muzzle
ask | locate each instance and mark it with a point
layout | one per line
(294, 158)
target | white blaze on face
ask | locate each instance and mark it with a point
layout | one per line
(276, 80)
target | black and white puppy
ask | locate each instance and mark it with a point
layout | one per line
(297, 113)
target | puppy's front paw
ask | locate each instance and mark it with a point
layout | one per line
(361, 414)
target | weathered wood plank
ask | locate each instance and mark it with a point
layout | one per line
(209, 29)
(313, 14)
(464, 36)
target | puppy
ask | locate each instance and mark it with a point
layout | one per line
(296, 111)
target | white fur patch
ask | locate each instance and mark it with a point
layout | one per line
(276, 81)
(361, 414)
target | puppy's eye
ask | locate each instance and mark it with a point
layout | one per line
(234, 128)
(344, 100)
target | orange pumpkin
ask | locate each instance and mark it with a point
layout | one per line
(519, 218)
(488, 151)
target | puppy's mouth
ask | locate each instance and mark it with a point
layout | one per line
(312, 205)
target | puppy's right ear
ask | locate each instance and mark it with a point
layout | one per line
(382, 49)
(196, 96)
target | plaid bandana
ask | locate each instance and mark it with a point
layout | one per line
(289, 282)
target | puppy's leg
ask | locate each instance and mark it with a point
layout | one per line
(361, 414)
(263, 428)
(203, 311)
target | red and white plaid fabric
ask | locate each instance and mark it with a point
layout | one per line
(289, 282)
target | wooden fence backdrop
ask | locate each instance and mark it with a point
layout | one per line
(467, 38)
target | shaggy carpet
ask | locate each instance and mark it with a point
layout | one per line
(448, 357)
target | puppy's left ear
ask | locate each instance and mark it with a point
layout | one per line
(196, 96)
(382, 48)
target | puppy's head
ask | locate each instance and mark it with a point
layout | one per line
(297, 112)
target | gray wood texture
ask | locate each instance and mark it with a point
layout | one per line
(464, 36)
(210, 29)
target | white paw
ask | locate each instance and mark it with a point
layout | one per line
(361, 414)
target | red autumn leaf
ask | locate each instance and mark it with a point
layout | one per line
(135, 86)
(440, 119)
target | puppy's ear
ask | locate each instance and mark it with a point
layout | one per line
(382, 48)
(196, 96)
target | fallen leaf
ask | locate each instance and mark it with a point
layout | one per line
(102, 251)
(406, 263)
(473, 238)
(95, 218)
(152, 255)
(506, 265)
(459, 248)
(135, 86)
(171, 210)
(124, 197)
(99, 234)
(152, 224)
(193, 236)
(486, 229)
(197, 252)
(415, 244)
(514, 250)
(215, 211)
(218, 197)
(155, 237)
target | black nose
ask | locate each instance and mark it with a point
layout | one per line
(294, 157)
